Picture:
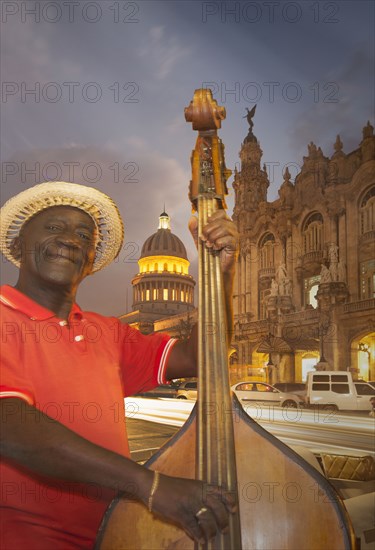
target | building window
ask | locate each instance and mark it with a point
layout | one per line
(155, 267)
(165, 294)
(312, 233)
(367, 279)
(165, 267)
(148, 295)
(267, 251)
(311, 286)
(367, 212)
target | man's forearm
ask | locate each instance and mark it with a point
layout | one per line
(39, 443)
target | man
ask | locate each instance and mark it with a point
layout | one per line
(64, 373)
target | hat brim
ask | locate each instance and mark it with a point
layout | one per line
(20, 208)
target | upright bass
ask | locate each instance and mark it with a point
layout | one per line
(283, 502)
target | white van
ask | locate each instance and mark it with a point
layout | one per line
(335, 390)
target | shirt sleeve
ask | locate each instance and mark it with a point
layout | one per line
(13, 382)
(144, 359)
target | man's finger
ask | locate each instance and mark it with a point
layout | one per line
(193, 228)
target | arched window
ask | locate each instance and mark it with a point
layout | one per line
(267, 251)
(312, 233)
(367, 212)
(155, 267)
(165, 267)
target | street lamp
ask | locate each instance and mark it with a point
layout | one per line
(322, 364)
(269, 368)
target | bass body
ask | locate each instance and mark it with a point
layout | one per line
(285, 504)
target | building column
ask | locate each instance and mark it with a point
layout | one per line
(248, 284)
(243, 284)
(342, 239)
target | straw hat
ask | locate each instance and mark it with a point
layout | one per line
(20, 208)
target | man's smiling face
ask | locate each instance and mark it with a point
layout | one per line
(57, 246)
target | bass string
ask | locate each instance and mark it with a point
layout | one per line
(215, 426)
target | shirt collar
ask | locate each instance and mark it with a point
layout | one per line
(15, 299)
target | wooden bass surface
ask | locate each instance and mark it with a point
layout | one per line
(285, 504)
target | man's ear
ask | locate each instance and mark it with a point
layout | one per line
(16, 248)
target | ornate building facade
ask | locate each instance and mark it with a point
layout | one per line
(305, 283)
(163, 287)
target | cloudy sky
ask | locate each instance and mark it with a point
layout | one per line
(94, 92)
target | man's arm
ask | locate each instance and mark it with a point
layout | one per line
(42, 445)
(220, 233)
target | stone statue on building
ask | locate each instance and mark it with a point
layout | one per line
(287, 286)
(325, 275)
(274, 288)
(282, 284)
(250, 138)
(333, 258)
(333, 251)
(249, 116)
(334, 271)
(281, 273)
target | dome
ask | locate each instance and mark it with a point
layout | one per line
(163, 242)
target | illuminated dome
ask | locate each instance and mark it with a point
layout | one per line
(163, 286)
(164, 242)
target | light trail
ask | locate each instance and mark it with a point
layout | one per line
(318, 430)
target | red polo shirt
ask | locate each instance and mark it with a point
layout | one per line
(77, 372)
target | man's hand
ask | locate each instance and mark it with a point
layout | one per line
(201, 510)
(220, 233)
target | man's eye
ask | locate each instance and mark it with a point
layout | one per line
(52, 227)
(84, 236)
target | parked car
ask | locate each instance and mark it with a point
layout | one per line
(164, 390)
(298, 388)
(188, 390)
(336, 390)
(262, 393)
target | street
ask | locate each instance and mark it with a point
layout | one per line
(146, 437)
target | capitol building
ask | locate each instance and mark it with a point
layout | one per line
(162, 288)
